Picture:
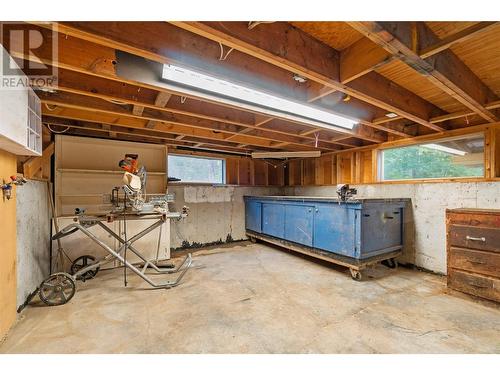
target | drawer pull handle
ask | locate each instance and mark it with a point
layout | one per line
(469, 238)
(478, 285)
(477, 261)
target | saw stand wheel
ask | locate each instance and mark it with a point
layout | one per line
(57, 289)
(355, 274)
(82, 262)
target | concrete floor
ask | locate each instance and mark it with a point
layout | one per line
(257, 299)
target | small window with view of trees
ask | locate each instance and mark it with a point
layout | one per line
(196, 169)
(447, 158)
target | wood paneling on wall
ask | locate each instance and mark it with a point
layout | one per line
(7, 247)
(360, 166)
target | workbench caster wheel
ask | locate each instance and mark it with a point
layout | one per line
(355, 274)
(391, 263)
(253, 240)
(57, 289)
(82, 262)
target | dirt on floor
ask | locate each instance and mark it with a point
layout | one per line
(259, 299)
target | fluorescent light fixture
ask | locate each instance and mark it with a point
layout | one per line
(286, 154)
(391, 115)
(222, 88)
(449, 150)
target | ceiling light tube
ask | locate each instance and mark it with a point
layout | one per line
(446, 149)
(226, 89)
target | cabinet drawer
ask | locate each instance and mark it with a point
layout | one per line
(475, 261)
(475, 237)
(481, 286)
(474, 219)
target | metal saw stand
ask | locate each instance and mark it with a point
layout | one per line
(59, 287)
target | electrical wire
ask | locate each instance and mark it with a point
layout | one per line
(223, 56)
(252, 24)
(49, 108)
(116, 101)
(58, 131)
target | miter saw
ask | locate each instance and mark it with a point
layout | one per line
(134, 189)
(132, 204)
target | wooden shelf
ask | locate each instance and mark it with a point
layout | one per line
(101, 171)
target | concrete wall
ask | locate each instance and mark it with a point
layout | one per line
(216, 212)
(425, 226)
(33, 237)
(7, 246)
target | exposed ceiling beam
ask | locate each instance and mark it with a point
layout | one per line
(460, 37)
(165, 43)
(221, 129)
(83, 102)
(113, 130)
(364, 56)
(288, 48)
(442, 118)
(444, 70)
(133, 125)
(161, 101)
(360, 58)
(115, 92)
(77, 55)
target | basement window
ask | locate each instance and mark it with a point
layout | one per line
(447, 158)
(222, 90)
(196, 169)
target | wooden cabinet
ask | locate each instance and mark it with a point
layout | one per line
(473, 252)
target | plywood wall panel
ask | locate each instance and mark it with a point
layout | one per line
(245, 172)
(275, 175)
(260, 173)
(7, 247)
(232, 171)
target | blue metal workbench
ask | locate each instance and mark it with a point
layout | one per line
(354, 233)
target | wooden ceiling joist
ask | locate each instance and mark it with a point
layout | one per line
(459, 37)
(288, 48)
(114, 130)
(122, 90)
(181, 124)
(274, 58)
(84, 102)
(115, 92)
(68, 116)
(364, 56)
(445, 70)
(173, 45)
(161, 101)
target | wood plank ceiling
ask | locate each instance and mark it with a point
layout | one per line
(432, 76)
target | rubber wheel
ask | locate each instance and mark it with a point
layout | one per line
(57, 289)
(82, 262)
(391, 263)
(355, 274)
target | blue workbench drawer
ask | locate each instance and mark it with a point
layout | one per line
(253, 216)
(335, 229)
(273, 219)
(299, 224)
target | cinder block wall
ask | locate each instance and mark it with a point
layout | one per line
(216, 212)
(425, 227)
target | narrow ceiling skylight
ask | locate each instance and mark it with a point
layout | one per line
(222, 88)
(446, 149)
